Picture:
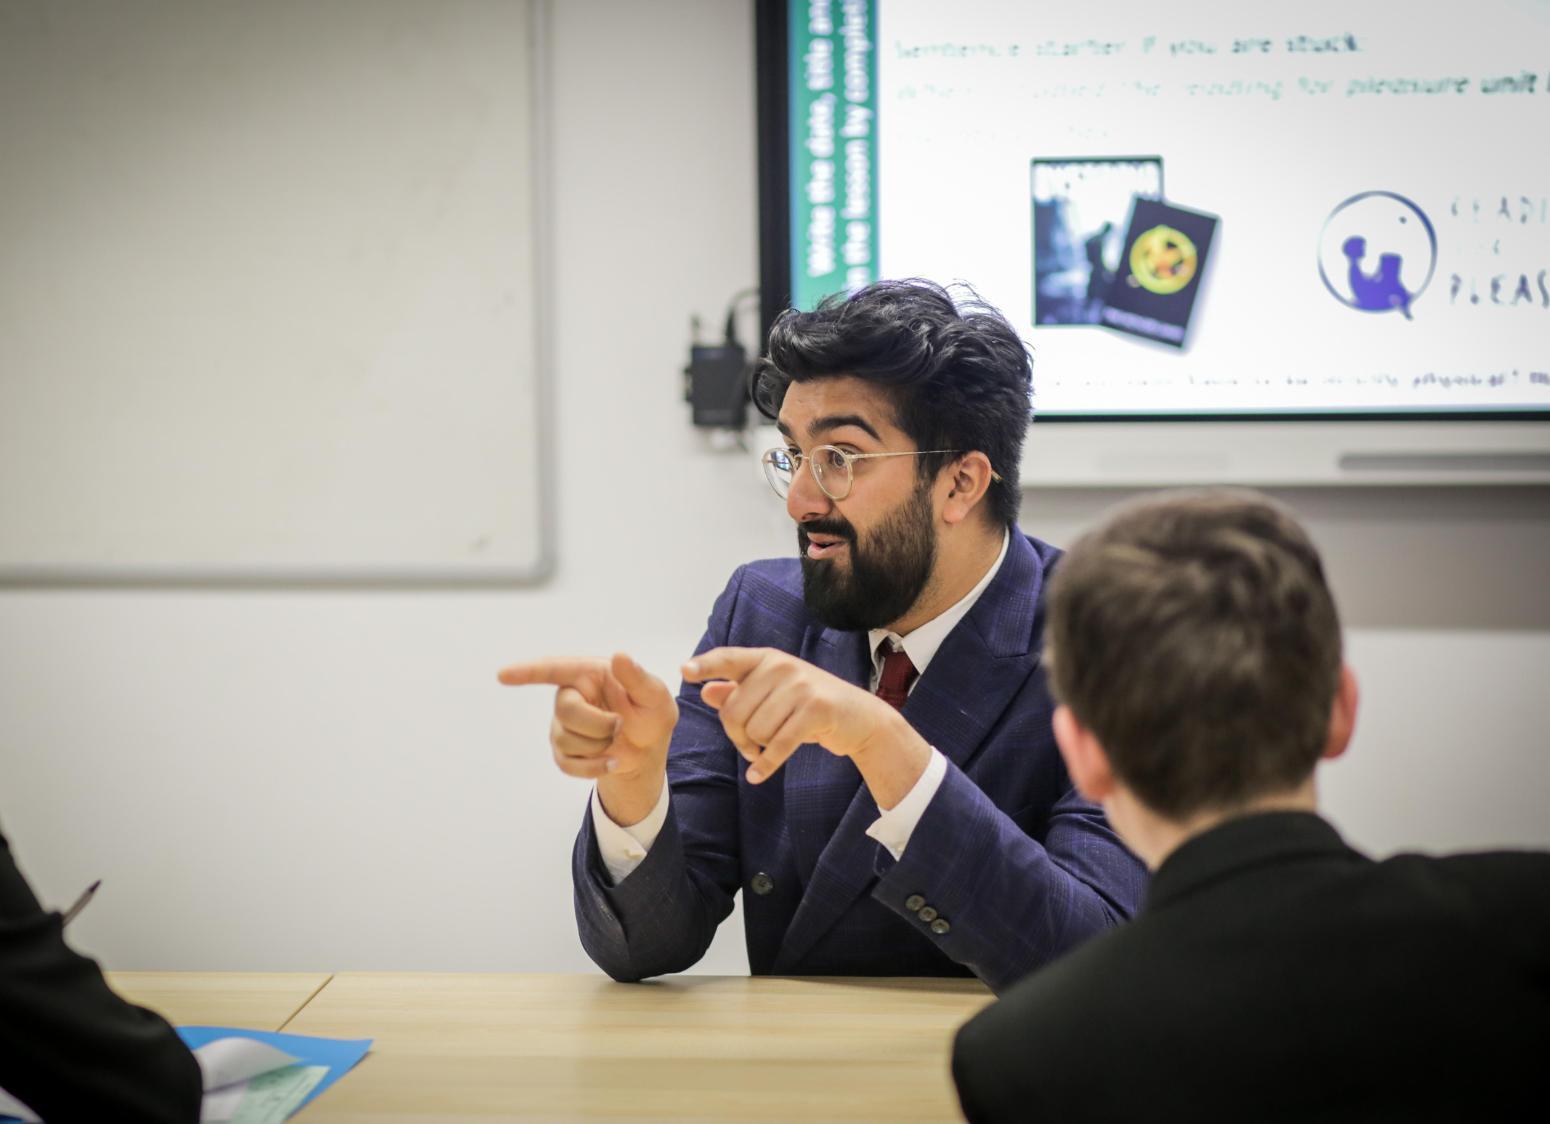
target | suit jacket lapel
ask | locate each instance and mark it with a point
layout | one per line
(972, 678)
(828, 810)
(983, 662)
(818, 786)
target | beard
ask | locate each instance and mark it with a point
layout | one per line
(887, 572)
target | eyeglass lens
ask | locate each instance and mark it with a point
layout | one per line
(778, 470)
(831, 468)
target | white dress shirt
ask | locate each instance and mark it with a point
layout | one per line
(623, 848)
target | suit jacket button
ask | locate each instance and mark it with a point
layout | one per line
(940, 927)
(926, 913)
(761, 883)
(914, 902)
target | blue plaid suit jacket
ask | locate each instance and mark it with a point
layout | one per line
(1016, 863)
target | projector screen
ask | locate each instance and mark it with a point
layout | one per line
(1194, 211)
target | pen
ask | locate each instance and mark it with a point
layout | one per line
(80, 903)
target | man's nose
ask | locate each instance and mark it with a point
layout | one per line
(806, 500)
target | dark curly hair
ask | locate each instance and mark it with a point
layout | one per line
(957, 373)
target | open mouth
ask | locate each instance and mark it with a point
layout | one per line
(824, 546)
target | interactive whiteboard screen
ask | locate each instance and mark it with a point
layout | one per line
(1196, 209)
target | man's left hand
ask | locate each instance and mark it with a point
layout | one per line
(771, 702)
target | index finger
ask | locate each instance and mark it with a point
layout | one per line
(556, 672)
(643, 688)
(724, 663)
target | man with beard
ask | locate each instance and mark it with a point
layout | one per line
(863, 737)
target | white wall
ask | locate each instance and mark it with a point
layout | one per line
(334, 780)
(1446, 606)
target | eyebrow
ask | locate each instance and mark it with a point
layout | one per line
(834, 421)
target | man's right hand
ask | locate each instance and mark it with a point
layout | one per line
(612, 723)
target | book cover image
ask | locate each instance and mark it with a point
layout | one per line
(1079, 209)
(1154, 290)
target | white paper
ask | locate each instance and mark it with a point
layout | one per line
(227, 1061)
(10, 1106)
(221, 1105)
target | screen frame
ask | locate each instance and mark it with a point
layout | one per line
(772, 101)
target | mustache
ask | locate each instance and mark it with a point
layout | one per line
(839, 528)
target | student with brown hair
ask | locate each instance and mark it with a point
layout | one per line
(1274, 973)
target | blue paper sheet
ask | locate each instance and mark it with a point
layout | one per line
(338, 1054)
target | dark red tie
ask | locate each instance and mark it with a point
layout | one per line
(893, 685)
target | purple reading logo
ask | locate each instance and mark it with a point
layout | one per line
(1377, 252)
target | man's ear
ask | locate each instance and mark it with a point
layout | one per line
(1086, 762)
(966, 481)
(1342, 715)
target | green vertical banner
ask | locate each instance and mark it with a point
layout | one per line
(833, 147)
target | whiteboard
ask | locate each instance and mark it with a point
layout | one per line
(269, 299)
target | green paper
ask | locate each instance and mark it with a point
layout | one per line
(273, 1096)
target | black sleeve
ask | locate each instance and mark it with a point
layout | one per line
(70, 1048)
(976, 1073)
(995, 1062)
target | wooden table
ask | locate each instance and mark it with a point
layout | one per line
(468, 1047)
(255, 1000)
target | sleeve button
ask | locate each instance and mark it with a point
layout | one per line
(940, 927)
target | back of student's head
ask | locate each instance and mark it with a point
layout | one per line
(1195, 636)
(956, 371)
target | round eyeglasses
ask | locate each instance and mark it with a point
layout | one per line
(831, 467)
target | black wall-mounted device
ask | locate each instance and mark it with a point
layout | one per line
(716, 379)
(717, 388)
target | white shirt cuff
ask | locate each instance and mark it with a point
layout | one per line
(622, 849)
(894, 827)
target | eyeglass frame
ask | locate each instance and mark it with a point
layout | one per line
(849, 458)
